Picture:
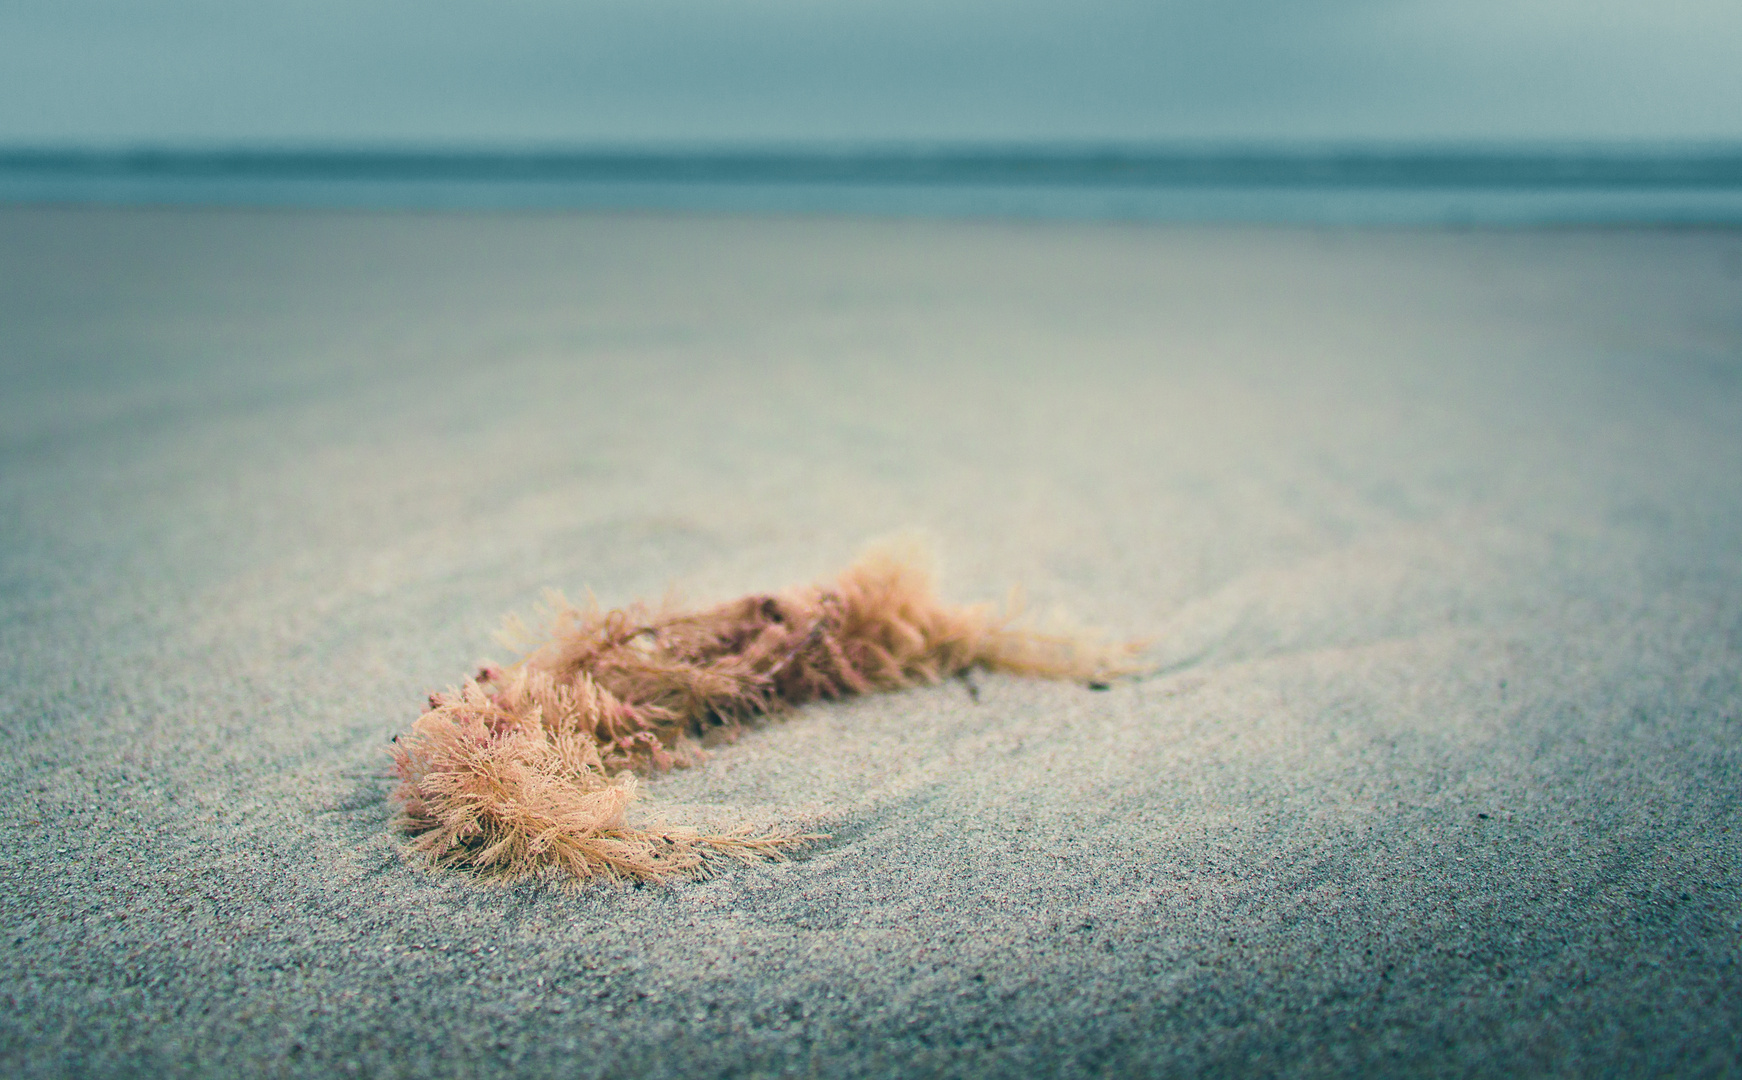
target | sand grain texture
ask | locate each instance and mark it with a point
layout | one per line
(1435, 533)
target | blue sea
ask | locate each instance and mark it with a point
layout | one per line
(1687, 186)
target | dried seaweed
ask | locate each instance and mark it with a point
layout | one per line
(529, 769)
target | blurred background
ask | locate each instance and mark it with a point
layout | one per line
(1333, 110)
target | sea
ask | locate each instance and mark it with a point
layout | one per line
(1698, 185)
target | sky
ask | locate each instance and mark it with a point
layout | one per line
(529, 73)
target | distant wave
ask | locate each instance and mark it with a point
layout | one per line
(1362, 185)
(1719, 167)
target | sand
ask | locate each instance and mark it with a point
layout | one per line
(1435, 535)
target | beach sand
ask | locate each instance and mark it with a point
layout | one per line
(1435, 535)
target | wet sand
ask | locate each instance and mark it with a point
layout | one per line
(1435, 535)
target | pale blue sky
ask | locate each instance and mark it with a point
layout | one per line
(520, 72)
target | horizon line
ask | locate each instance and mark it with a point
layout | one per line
(1105, 164)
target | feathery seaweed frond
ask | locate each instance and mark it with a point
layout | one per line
(529, 769)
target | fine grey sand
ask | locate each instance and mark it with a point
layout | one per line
(1435, 536)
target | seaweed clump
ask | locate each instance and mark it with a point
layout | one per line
(529, 769)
